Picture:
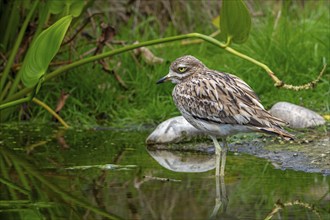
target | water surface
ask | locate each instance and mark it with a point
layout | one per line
(47, 173)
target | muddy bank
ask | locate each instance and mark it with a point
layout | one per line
(311, 156)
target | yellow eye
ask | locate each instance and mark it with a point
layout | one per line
(182, 69)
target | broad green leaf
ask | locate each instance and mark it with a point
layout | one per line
(235, 21)
(66, 7)
(42, 51)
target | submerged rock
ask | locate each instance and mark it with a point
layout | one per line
(173, 130)
(297, 116)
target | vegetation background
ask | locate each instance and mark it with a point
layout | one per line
(291, 37)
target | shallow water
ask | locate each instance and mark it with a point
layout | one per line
(48, 173)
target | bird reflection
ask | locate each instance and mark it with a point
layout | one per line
(221, 199)
(180, 161)
(183, 161)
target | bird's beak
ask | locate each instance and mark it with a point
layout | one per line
(165, 78)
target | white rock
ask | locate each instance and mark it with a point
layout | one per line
(173, 130)
(297, 116)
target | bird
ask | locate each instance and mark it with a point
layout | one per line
(219, 104)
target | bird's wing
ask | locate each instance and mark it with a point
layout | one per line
(222, 98)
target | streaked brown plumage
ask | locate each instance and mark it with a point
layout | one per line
(220, 104)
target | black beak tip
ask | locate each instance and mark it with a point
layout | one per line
(161, 80)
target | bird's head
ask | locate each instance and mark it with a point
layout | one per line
(182, 68)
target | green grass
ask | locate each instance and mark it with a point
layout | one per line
(295, 50)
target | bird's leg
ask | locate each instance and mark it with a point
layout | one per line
(223, 157)
(218, 151)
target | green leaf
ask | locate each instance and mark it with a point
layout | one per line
(76, 7)
(66, 7)
(56, 7)
(216, 22)
(42, 51)
(235, 23)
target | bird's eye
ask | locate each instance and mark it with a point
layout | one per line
(182, 69)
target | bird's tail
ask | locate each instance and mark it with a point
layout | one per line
(277, 131)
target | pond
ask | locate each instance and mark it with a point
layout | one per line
(104, 173)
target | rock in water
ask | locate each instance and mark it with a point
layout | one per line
(297, 116)
(173, 130)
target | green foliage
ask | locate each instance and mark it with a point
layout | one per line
(96, 97)
(42, 51)
(67, 7)
(296, 48)
(235, 22)
(5, 82)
